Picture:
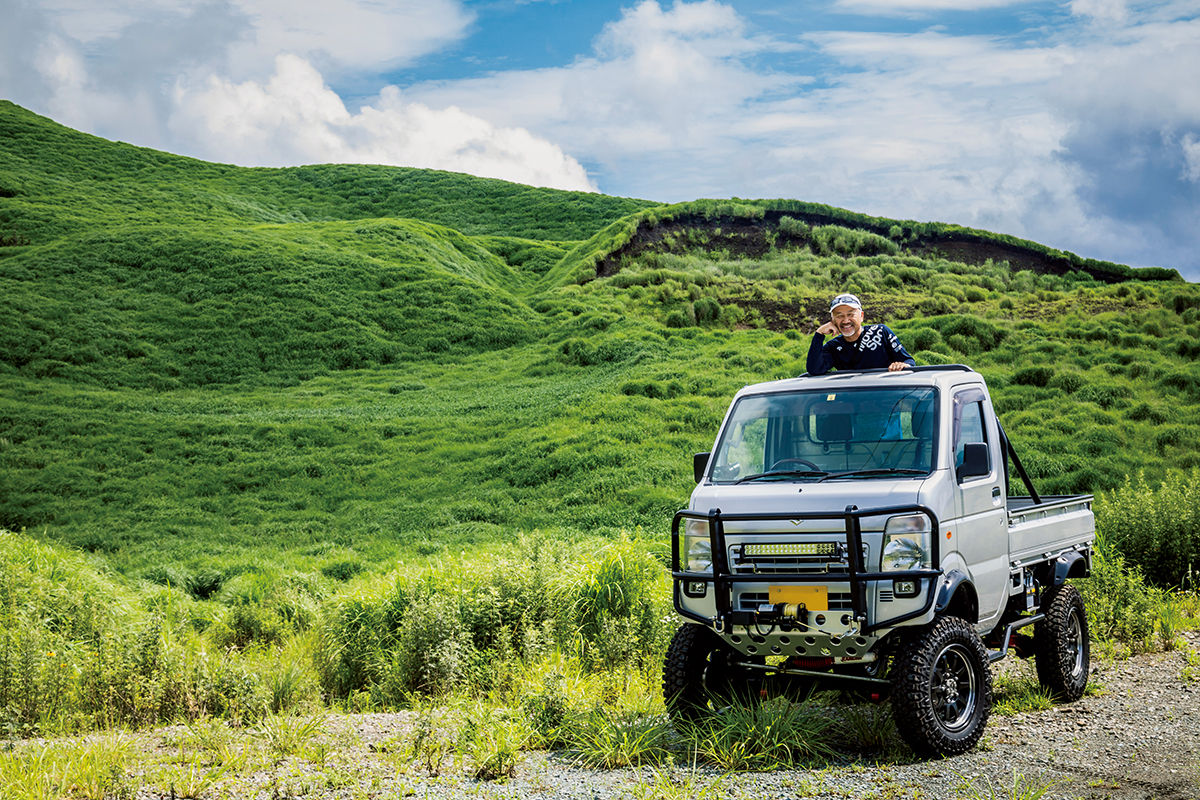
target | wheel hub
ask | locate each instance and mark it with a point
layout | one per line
(952, 689)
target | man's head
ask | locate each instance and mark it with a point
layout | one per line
(847, 315)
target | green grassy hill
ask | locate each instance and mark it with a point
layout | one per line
(273, 441)
(206, 367)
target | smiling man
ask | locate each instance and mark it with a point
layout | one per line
(858, 346)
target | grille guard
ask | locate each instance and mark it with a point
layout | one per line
(722, 578)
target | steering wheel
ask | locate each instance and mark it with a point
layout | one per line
(808, 464)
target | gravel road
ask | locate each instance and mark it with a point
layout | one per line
(1138, 739)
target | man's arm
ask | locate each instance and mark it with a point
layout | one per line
(898, 353)
(820, 360)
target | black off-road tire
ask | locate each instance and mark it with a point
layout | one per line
(942, 689)
(1061, 646)
(701, 674)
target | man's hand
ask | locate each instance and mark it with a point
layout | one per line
(896, 366)
(828, 329)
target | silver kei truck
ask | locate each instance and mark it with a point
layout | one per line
(857, 530)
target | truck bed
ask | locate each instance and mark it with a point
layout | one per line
(1038, 530)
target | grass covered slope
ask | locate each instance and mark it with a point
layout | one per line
(172, 306)
(209, 367)
(68, 181)
(126, 266)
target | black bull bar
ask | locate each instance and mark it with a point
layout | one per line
(722, 579)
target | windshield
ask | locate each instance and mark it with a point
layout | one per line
(820, 435)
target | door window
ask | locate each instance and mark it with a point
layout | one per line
(970, 426)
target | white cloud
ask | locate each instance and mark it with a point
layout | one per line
(707, 26)
(660, 80)
(670, 106)
(234, 100)
(294, 118)
(1191, 154)
(940, 61)
(1101, 10)
(111, 86)
(1139, 74)
(904, 7)
(926, 127)
(92, 20)
(348, 34)
(1133, 115)
(979, 130)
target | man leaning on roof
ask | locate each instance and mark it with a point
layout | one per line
(858, 346)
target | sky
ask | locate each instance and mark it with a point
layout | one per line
(1073, 123)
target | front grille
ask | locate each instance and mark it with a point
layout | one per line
(796, 566)
(750, 601)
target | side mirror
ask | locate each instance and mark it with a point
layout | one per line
(975, 462)
(700, 465)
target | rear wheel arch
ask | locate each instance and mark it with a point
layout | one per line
(1070, 565)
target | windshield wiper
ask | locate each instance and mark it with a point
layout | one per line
(878, 471)
(781, 473)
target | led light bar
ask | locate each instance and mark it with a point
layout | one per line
(790, 549)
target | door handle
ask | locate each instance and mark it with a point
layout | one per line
(995, 491)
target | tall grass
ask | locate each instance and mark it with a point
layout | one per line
(1125, 610)
(77, 651)
(1155, 528)
(289, 367)
(467, 624)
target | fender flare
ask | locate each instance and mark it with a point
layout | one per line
(949, 590)
(1071, 565)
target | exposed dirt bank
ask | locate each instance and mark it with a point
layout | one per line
(744, 238)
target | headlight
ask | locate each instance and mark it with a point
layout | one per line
(697, 548)
(906, 543)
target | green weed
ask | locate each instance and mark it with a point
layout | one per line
(191, 780)
(94, 769)
(763, 736)
(668, 783)
(287, 734)
(869, 726)
(1020, 788)
(492, 741)
(1020, 693)
(607, 739)
(1155, 528)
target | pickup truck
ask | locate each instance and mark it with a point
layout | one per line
(858, 530)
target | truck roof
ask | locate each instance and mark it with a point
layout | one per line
(940, 375)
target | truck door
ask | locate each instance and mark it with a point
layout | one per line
(982, 529)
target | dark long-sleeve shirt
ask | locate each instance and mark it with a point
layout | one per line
(876, 348)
